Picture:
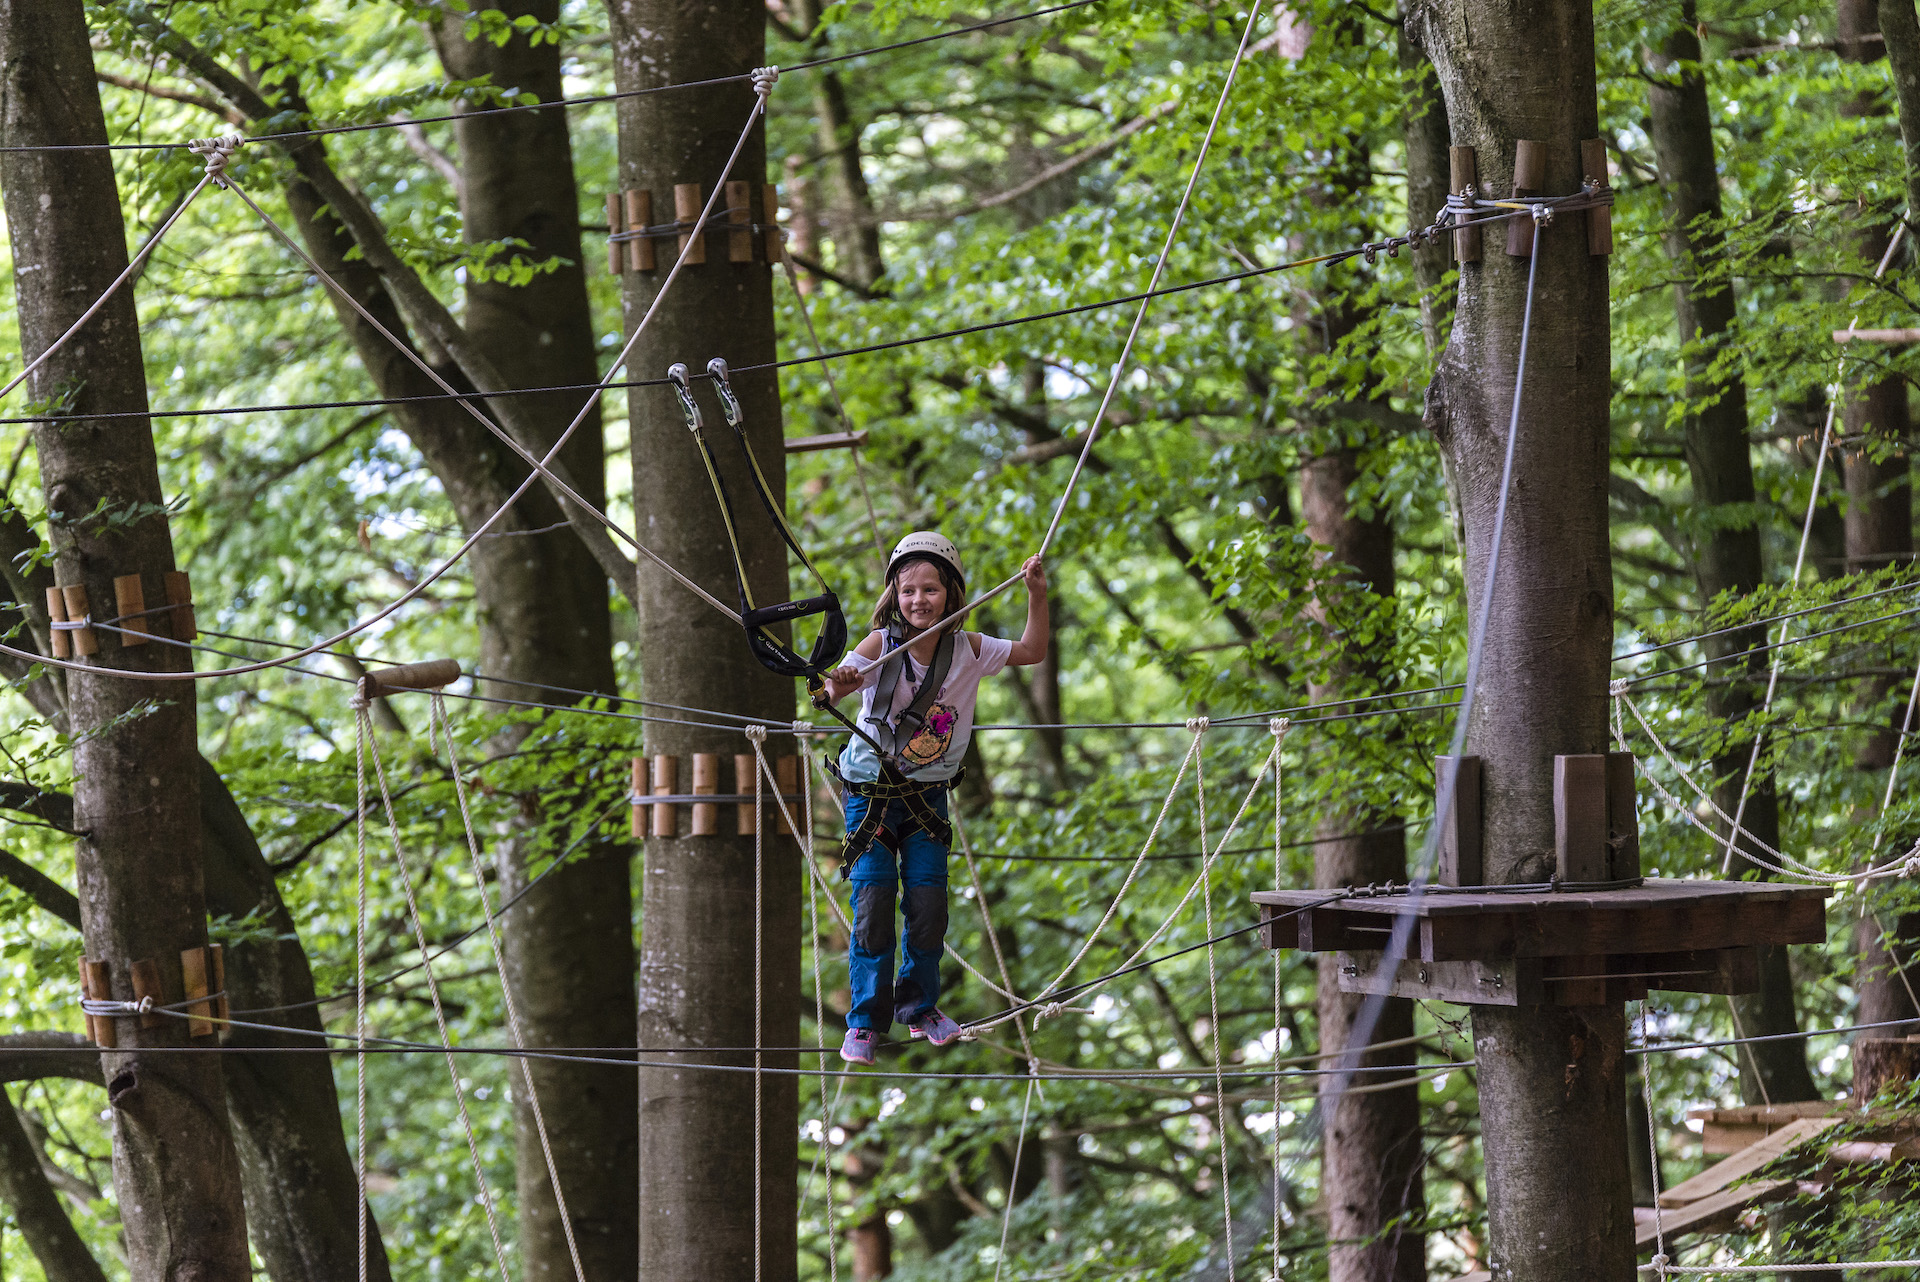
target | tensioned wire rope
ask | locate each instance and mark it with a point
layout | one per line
(788, 363)
(218, 152)
(586, 100)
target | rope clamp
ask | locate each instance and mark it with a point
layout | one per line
(218, 152)
(689, 408)
(729, 403)
(1543, 215)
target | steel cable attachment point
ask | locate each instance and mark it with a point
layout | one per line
(764, 79)
(218, 152)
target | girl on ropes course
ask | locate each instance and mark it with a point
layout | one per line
(916, 716)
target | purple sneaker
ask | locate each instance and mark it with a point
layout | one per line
(858, 1046)
(935, 1027)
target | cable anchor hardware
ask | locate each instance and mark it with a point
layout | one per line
(218, 152)
(689, 408)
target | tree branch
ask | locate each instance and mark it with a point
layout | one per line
(36, 1207)
(28, 1057)
(187, 96)
(43, 890)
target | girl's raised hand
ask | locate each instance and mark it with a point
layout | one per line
(1035, 573)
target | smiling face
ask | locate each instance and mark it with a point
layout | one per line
(921, 595)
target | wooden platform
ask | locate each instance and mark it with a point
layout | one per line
(1570, 948)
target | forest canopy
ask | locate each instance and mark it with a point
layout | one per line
(1267, 431)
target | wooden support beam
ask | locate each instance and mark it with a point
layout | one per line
(1460, 850)
(666, 817)
(83, 639)
(57, 613)
(130, 603)
(1623, 818)
(637, 788)
(1876, 335)
(639, 217)
(770, 211)
(744, 769)
(1580, 817)
(686, 212)
(739, 223)
(616, 223)
(706, 782)
(1593, 171)
(1465, 175)
(147, 986)
(180, 601)
(1529, 179)
(432, 674)
(193, 982)
(1710, 1213)
(1511, 982)
(826, 441)
(95, 984)
(786, 771)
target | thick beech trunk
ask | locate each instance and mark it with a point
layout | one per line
(697, 964)
(569, 945)
(1727, 551)
(1551, 1077)
(137, 790)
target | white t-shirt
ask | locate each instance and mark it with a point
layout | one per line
(936, 752)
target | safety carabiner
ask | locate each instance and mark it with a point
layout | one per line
(689, 408)
(717, 370)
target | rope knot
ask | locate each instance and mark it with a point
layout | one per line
(1618, 688)
(764, 78)
(1277, 726)
(1912, 867)
(217, 151)
(1659, 1263)
(1198, 725)
(756, 735)
(359, 702)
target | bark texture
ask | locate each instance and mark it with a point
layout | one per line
(699, 902)
(138, 862)
(1551, 1078)
(1373, 1159)
(301, 1190)
(1726, 547)
(36, 1207)
(569, 945)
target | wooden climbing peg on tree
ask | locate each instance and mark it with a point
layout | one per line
(1465, 177)
(1529, 179)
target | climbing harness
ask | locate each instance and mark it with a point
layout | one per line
(774, 654)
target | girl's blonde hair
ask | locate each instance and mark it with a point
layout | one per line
(886, 611)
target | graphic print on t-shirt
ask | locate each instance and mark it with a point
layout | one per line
(930, 744)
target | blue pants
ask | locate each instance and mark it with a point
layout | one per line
(918, 880)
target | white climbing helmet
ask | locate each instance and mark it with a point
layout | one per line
(927, 543)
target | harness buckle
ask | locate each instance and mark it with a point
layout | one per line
(729, 403)
(689, 408)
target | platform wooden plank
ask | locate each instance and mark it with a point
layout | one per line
(1705, 915)
(1709, 1213)
(1745, 1162)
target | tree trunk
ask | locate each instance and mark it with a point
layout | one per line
(36, 1207)
(1727, 551)
(1877, 474)
(1551, 1078)
(697, 963)
(1424, 133)
(569, 945)
(136, 797)
(1373, 1160)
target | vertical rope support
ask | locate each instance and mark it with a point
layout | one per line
(1013, 1178)
(819, 990)
(1660, 1260)
(1278, 728)
(439, 1012)
(1213, 1004)
(1800, 557)
(361, 721)
(757, 736)
(437, 717)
